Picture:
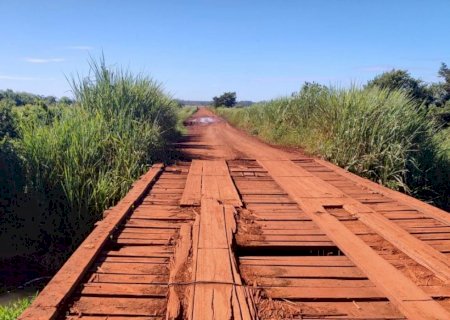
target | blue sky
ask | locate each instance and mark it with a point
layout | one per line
(198, 49)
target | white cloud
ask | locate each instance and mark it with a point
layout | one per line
(22, 78)
(87, 48)
(40, 60)
(376, 68)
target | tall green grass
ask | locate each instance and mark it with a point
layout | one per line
(78, 161)
(379, 134)
(183, 114)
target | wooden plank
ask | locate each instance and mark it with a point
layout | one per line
(192, 189)
(410, 299)
(360, 310)
(348, 293)
(292, 261)
(212, 225)
(212, 297)
(210, 187)
(71, 273)
(284, 168)
(215, 168)
(304, 272)
(215, 295)
(150, 242)
(146, 236)
(283, 244)
(311, 187)
(217, 183)
(319, 260)
(128, 278)
(295, 237)
(81, 317)
(142, 251)
(212, 302)
(228, 192)
(131, 289)
(140, 223)
(148, 260)
(110, 306)
(190, 291)
(306, 283)
(132, 268)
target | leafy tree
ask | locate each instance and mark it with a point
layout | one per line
(312, 88)
(7, 123)
(444, 72)
(65, 100)
(228, 99)
(24, 98)
(401, 79)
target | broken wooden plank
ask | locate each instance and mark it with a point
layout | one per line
(180, 258)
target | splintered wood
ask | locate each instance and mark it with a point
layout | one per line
(217, 293)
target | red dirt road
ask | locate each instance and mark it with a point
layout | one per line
(215, 139)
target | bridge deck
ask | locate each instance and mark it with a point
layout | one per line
(257, 239)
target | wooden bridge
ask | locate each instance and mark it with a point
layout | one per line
(248, 231)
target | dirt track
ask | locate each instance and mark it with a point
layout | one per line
(249, 231)
(215, 139)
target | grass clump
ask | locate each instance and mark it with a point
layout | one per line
(377, 133)
(14, 309)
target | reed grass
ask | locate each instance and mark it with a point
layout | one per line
(80, 160)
